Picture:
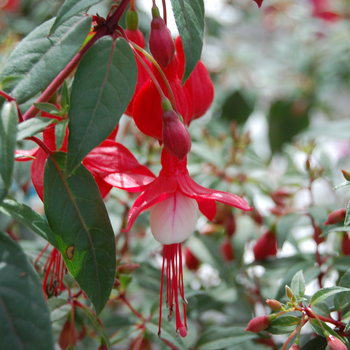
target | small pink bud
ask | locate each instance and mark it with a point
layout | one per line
(335, 344)
(127, 268)
(335, 217)
(265, 246)
(227, 251)
(176, 138)
(294, 347)
(258, 324)
(191, 260)
(161, 43)
(274, 304)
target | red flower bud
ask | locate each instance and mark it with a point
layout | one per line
(102, 347)
(230, 225)
(68, 336)
(294, 347)
(265, 246)
(335, 344)
(345, 244)
(346, 174)
(175, 136)
(191, 261)
(161, 43)
(274, 304)
(279, 196)
(335, 217)
(227, 251)
(258, 324)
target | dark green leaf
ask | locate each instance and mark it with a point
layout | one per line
(286, 119)
(283, 325)
(102, 89)
(236, 108)
(189, 17)
(222, 337)
(24, 317)
(47, 107)
(342, 300)
(79, 220)
(69, 9)
(322, 309)
(318, 343)
(60, 132)
(65, 99)
(8, 131)
(298, 284)
(37, 60)
(28, 217)
(32, 126)
(324, 293)
(284, 225)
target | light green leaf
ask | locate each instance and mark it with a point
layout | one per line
(284, 225)
(28, 217)
(24, 317)
(37, 59)
(298, 284)
(189, 17)
(47, 107)
(32, 126)
(283, 325)
(60, 133)
(324, 293)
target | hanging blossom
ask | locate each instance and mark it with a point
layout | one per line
(174, 199)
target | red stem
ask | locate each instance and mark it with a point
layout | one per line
(164, 12)
(126, 301)
(169, 344)
(310, 313)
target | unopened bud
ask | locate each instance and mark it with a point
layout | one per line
(191, 260)
(289, 293)
(346, 174)
(67, 339)
(132, 20)
(227, 251)
(175, 136)
(260, 323)
(274, 304)
(127, 268)
(334, 343)
(335, 216)
(161, 43)
(294, 347)
(279, 196)
(345, 244)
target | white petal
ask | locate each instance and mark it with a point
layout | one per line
(174, 219)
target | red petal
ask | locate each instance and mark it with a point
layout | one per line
(131, 182)
(159, 190)
(207, 208)
(37, 172)
(103, 186)
(25, 153)
(191, 189)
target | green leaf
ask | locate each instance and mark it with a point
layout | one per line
(342, 300)
(47, 107)
(283, 325)
(298, 284)
(324, 293)
(24, 317)
(37, 60)
(59, 308)
(189, 17)
(32, 126)
(65, 99)
(102, 89)
(69, 9)
(318, 343)
(347, 217)
(236, 108)
(79, 220)
(286, 119)
(222, 337)
(60, 132)
(317, 328)
(28, 217)
(8, 131)
(284, 226)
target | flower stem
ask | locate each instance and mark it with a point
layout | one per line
(126, 301)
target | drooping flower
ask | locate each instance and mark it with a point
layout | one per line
(199, 85)
(174, 199)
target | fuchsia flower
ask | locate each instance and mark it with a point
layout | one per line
(174, 199)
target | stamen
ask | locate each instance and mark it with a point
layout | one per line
(161, 293)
